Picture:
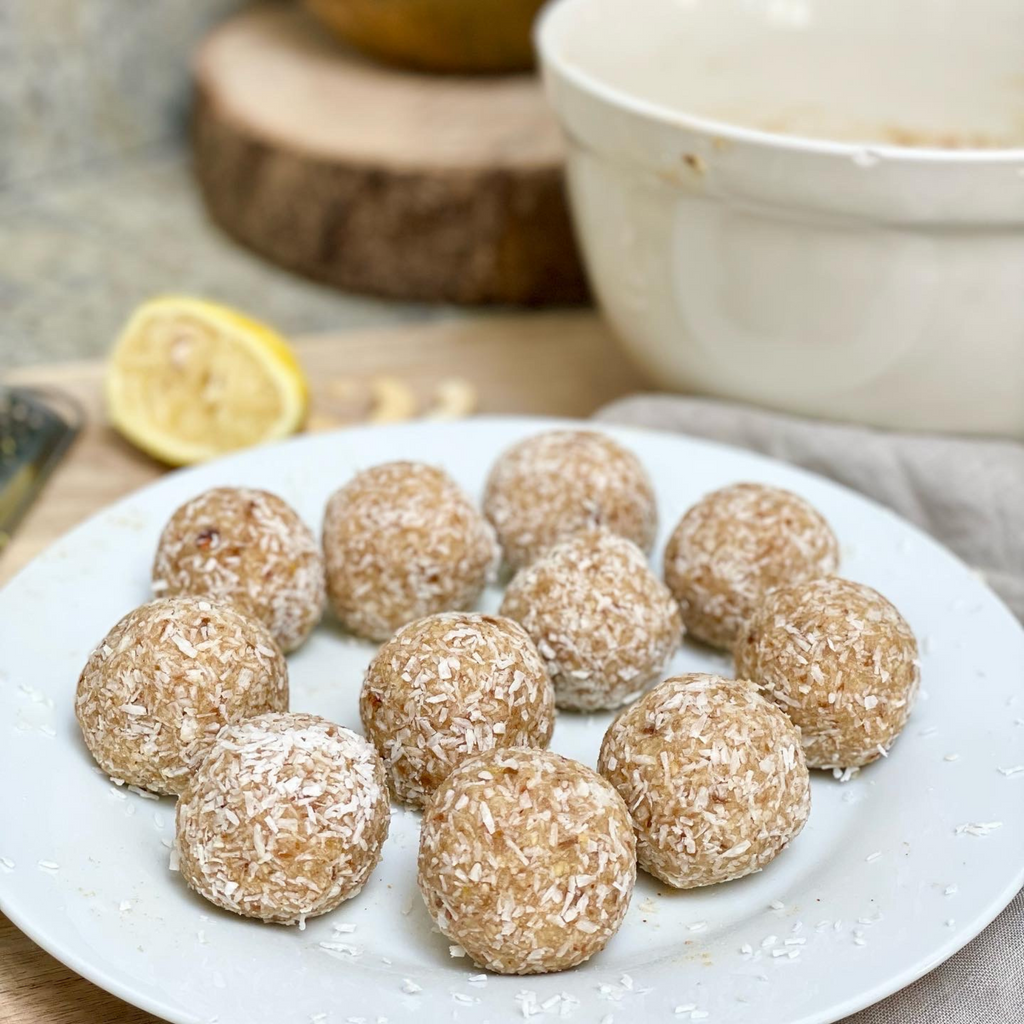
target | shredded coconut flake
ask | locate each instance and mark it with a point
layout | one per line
(980, 828)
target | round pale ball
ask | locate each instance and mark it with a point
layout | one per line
(841, 661)
(284, 819)
(527, 860)
(603, 622)
(249, 548)
(713, 776)
(402, 541)
(550, 486)
(449, 686)
(162, 682)
(733, 546)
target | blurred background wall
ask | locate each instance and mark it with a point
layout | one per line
(85, 81)
(98, 210)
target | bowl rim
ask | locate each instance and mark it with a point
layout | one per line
(545, 30)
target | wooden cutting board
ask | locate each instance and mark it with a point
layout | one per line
(377, 179)
(559, 364)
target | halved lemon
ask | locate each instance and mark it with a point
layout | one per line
(189, 380)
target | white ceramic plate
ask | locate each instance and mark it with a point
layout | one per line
(877, 889)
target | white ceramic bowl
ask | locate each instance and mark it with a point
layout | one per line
(755, 230)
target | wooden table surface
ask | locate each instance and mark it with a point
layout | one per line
(562, 364)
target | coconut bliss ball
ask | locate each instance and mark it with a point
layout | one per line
(733, 546)
(550, 486)
(447, 687)
(841, 661)
(713, 776)
(247, 548)
(402, 541)
(527, 860)
(285, 818)
(160, 685)
(603, 622)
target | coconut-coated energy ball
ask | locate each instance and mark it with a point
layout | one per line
(554, 484)
(840, 660)
(401, 542)
(733, 546)
(163, 681)
(713, 776)
(245, 547)
(527, 860)
(603, 622)
(447, 687)
(284, 819)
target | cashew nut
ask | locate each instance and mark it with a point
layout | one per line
(393, 401)
(454, 398)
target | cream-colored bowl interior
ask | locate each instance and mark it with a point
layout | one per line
(924, 73)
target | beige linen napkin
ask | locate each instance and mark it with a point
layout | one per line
(968, 493)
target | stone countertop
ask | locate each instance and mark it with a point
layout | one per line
(79, 249)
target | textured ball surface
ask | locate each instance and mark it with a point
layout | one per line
(163, 681)
(527, 860)
(401, 542)
(733, 546)
(550, 486)
(245, 547)
(284, 819)
(603, 622)
(449, 686)
(713, 776)
(841, 661)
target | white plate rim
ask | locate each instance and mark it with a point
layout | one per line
(21, 916)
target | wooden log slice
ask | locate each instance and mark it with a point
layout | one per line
(380, 180)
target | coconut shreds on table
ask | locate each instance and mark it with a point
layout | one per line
(247, 548)
(735, 544)
(450, 686)
(550, 884)
(840, 660)
(284, 820)
(163, 681)
(402, 541)
(603, 622)
(689, 737)
(549, 486)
